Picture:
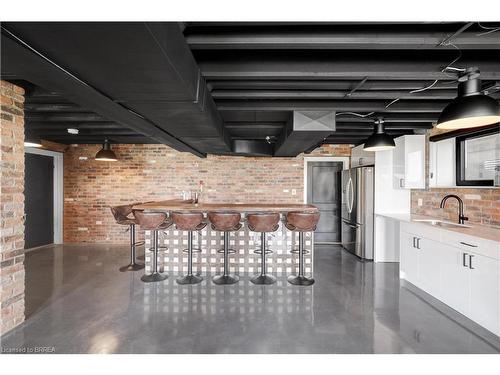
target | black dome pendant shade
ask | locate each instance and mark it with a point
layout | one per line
(379, 140)
(106, 154)
(471, 108)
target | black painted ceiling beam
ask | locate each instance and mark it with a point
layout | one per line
(21, 61)
(326, 94)
(423, 106)
(338, 66)
(311, 84)
(379, 40)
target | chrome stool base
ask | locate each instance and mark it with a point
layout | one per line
(300, 280)
(225, 279)
(263, 280)
(132, 267)
(189, 279)
(154, 277)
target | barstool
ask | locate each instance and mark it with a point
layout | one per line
(301, 222)
(263, 222)
(189, 221)
(153, 221)
(121, 215)
(225, 221)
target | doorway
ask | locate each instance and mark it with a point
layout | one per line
(43, 198)
(323, 189)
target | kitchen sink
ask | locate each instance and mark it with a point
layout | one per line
(442, 223)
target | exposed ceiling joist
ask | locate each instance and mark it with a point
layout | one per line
(380, 40)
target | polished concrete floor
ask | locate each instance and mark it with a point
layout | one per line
(78, 302)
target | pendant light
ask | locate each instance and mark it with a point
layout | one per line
(106, 154)
(379, 140)
(471, 108)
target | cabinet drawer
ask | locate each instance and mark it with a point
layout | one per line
(471, 244)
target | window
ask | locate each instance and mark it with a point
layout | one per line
(478, 158)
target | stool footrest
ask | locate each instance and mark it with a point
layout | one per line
(229, 251)
(195, 250)
(139, 243)
(296, 251)
(160, 248)
(259, 251)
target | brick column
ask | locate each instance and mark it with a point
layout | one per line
(11, 206)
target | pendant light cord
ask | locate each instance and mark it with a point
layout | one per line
(447, 42)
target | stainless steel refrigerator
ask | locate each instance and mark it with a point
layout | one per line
(357, 211)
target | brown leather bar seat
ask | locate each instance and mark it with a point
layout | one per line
(301, 221)
(225, 221)
(263, 222)
(189, 221)
(122, 216)
(153, 221)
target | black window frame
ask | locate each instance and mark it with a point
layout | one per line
(459, 157)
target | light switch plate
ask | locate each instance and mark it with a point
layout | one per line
(420, 202)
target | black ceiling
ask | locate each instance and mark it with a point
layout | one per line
(201, 86)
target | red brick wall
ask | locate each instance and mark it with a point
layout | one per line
(11, 206)
(481, 206)
(156, 172)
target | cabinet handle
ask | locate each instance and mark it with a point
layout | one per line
(464, 256)
(414, 238)
(418, 243)
(360, 161)
(401, 182)
(468, 244)
(470, 262)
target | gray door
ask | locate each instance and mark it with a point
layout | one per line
(323, 191)
(39, 200)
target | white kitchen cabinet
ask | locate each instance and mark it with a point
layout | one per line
(455, 279)
(360, 157)
(429, 266)
(442, 163)
(453, 268)
(484, 307)
(409, 258)
(409, 162)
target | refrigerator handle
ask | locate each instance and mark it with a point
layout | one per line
(351, 195)
(347, 195)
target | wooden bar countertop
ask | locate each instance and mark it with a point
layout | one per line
(179, 205)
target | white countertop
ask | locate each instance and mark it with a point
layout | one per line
(475, 230)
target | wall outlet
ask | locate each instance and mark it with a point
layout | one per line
(98, 222)
(420, 202)
(294, 191)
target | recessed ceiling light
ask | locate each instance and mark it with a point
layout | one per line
(73, 131)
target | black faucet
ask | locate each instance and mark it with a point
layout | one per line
(461, 217)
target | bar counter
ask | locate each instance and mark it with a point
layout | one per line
(179, 205)
(243, 262)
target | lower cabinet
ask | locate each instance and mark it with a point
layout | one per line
(455, 279)
(464, 280)
(485, 291)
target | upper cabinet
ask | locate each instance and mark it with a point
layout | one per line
(442, 163)
(409, 162)
(360, 157)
